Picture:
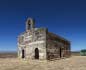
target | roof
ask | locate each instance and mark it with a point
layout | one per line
(54, 36)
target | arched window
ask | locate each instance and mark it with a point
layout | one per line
(36, 53)
(23, 53)
(30, 24)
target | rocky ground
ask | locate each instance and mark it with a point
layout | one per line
(72, 63)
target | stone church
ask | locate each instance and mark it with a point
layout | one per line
(38, 43)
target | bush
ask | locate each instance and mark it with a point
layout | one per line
(83, 52)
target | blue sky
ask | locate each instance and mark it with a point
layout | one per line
(66, 18)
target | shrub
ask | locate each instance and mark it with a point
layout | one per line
(83, 52)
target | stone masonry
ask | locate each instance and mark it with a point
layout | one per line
(38, 43)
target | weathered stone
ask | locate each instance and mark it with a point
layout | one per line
(38, 43)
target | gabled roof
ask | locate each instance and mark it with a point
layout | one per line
(54, 36)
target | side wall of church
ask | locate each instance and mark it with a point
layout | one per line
(57, 48)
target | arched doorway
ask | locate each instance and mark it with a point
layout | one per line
(23, 53)
(60, 52)
(36, 53)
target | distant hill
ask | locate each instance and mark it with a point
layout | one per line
(8, 54)
(75, 53)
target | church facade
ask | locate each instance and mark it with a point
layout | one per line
(38, 43)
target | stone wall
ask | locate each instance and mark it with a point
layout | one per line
(29, 41)
(57, 47)
(40, 42)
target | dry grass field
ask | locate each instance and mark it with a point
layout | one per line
(72, 63)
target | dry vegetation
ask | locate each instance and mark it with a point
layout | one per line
(8, 54)
(72, 63)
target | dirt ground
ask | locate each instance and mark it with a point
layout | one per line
(72, 63)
